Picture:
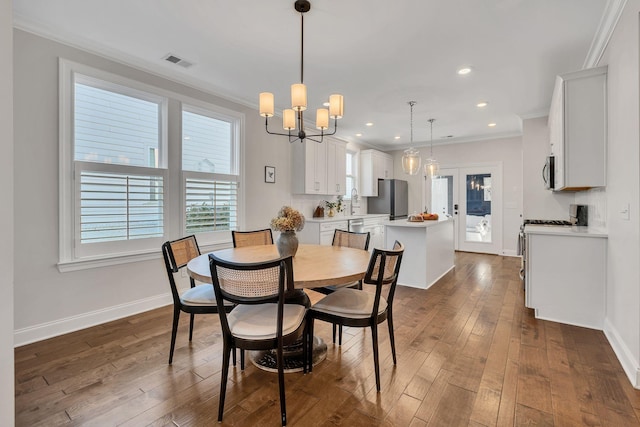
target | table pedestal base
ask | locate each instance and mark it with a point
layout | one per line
(293, 360)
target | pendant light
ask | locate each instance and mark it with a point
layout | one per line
(411, 157)
(293, 117)
(431, 166)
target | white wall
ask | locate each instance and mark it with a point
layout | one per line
(7, 410)
(48, 302)
(622, 323)
(540, 203)
(508, 151)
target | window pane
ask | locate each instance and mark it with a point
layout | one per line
(211, 205)
(206, 144)
(120, 207)
(113, 128)
(478, 213)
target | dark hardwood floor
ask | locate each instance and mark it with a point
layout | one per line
(469, 354)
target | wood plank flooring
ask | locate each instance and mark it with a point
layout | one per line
(469, 354)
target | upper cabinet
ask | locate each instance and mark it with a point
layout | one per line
(336, 167)
(309, 167)
(319, 168)
(374, 165)
(578, 129)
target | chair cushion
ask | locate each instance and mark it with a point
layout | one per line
(348, 302)
(200, 295)
(258, 322)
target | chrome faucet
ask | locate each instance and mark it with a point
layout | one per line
(354, 199)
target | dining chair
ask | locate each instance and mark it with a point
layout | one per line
(252, 238)
(361, 308)
(261, 319)
(198, 299)
(349, 239)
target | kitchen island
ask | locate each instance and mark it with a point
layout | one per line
(428, 250)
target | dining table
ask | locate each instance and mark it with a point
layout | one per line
(314, 266)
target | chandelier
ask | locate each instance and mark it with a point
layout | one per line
(294, 117)
(431, 166)
(411, 156)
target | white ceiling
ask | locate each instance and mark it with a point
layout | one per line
(378, 53)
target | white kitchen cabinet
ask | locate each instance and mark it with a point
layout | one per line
(321, 232)
(309, 167)
(565, 275)
(336, 166)
(578, 129)
(374, 165)
(375, 227)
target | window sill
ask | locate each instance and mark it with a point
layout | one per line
(90, 263)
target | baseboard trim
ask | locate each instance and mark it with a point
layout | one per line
(624, 355)
(75, 323)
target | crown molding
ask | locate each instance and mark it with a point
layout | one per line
(611, 15)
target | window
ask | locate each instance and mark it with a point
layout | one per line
(352, 173)
(210, 171)
(122, 190)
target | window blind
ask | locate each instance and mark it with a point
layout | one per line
(211, 205)
(120, 206)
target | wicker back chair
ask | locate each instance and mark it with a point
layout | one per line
(198, 299)
(261, 320)
(252, 238)
(359, 308)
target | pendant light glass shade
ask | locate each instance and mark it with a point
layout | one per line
(431, 165)
(411, 161)
(411, 157)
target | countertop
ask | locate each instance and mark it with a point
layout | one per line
(344, 217)
(574, 231)
(423, 224)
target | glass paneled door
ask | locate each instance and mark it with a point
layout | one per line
(472, 196)
(444, 197)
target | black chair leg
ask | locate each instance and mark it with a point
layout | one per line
(283, 405)
(233, 352)
(334, 333)
(226, 353)
(174, 332)
(376, 362)
(340, 335)
(391, 336)
(242, 359)
(191, 318)
(310, 343)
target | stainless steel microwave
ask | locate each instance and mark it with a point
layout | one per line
(548, 173)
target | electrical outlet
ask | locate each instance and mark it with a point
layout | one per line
(183, 272)
(624, 212)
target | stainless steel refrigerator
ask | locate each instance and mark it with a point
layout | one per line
(392, 199)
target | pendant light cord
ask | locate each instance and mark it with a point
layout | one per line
(411, 104)
(301, 47)
(431, 151)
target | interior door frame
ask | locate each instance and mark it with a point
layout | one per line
(497, 224)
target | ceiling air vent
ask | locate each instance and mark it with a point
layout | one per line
(178, 61)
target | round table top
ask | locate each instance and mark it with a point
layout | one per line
(313, 265)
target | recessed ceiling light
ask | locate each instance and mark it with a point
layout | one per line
(491, 125)
(481, 104)
(358, 134)
(369, 124)
(464, 70)
(326, 104)
(396, 137)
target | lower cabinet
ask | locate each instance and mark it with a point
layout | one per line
(565, 278)
(320, 233)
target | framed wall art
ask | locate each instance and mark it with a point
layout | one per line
(270, 174)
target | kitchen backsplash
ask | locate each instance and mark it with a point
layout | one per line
(307, 204)
(596, 199)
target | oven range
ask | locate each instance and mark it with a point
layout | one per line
(522, 244)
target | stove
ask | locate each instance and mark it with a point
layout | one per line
(546, 222)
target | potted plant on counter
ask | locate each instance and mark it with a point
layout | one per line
(334, 206)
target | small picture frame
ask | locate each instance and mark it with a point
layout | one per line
(270, 174)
